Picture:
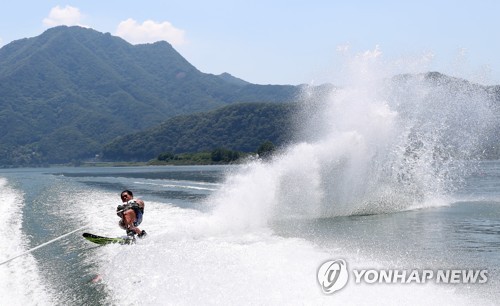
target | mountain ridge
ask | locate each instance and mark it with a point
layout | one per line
(67, 94)
(69, 90)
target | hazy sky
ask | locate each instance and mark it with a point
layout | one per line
(288, 41)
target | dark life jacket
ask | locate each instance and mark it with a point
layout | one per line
(139, 211)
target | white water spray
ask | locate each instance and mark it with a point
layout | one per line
(378, 145)
(20, 282)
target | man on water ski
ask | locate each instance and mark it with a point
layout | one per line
(131, 212)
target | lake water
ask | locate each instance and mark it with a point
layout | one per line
(206, 247)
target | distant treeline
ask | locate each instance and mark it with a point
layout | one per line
(216, 156)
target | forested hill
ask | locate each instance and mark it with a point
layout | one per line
(69, 90)
(241, 127)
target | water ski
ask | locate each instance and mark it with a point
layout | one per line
(107, 240)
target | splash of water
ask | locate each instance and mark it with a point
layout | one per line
(21, 282)
(377, 145)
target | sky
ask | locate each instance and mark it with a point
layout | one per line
(288, 41)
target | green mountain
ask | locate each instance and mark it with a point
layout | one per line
(240, 127)
(69, 90)
(71, 93)
(243, 127)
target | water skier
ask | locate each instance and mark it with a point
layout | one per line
(131, 212)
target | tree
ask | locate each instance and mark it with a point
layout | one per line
(166, 156)
(266, 149)
(224, 155)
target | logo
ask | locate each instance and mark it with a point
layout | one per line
(333, 276)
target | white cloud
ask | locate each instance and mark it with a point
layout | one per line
(67, 15)
(343, 49)
(150, 31)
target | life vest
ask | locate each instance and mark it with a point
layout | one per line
(139, 211)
